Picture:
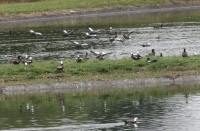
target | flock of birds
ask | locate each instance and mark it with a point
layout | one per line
(93, 34)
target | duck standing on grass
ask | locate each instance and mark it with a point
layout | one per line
(17, 61)
(152, 53)
(61, 66)
(79, 59)
(28, 61)
(184, 54)
(130, 122)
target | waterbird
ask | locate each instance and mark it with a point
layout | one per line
(151, 60)
(152, 53)
(99, 55)
(66, 33)
(146, 45)
(86, 56)
(158, 26)
(88, 36)
(77, 44)
(184, 54)
(79, 59)
(91, 31)
(61, 66)
(17, 61)
(35, 33)
(130, 122)
(136, 56)
(7, 32)
(28, 61)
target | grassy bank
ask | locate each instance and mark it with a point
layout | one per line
(93, 69)
(35, 7)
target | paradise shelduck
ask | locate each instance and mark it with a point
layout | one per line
(99, 55)
(146, 45)
(28, 61)
(158, 26)
(88, 36)
(152, 53)
(66, 33)
(184, 54)
(136, 56)
(130, 122)
(91, 31)
(35, 33)
(61, 66)
(151, 60)
(8, 32)
(17, 61)
(77, 44)
(79, 59)
(86, 56)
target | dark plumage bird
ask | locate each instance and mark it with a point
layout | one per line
(17, 61)
(151, 60)
(161, 55)
(130, 122)
(86, 56)
(8, 32)
(152, 53)
(146, 45)
(61, 66)
(184, 54)
(158, 26)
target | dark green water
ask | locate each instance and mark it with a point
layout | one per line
(157, 108)
(180, 31)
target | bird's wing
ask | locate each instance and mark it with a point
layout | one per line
(94, 52)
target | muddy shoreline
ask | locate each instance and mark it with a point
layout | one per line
(74, 86)
(99, 85)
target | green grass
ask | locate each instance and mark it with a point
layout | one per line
(94, 69)
(36, 6)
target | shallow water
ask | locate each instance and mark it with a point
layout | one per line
(181, 30)
(177, 111)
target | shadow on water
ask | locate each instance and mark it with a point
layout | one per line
(157, 108)
(180, 31)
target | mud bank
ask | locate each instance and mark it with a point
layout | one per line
(100, 85)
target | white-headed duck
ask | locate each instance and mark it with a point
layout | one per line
(79, 59)
(130, 122)
(35, 33)
(77, 44)
(61, 66)
(146, 45)
(66, 33)
(28, 61)
(136, 56)
(88, 36)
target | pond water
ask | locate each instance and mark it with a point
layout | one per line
(161, 108)
(181, 30)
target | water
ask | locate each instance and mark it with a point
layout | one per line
(54, 112)
(174, 109)
(181, 30)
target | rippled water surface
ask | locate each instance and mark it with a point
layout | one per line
(181, 30)
(177, 109)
